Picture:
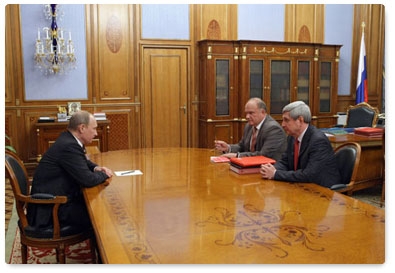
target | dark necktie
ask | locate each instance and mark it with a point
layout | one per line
(253, 139)
(296, 153)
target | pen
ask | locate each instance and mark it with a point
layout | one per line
(132, 171)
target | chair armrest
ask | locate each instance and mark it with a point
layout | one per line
(45, 198)
(41, 199)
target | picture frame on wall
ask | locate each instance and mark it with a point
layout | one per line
(73, 107)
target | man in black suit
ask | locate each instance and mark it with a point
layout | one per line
(270, 139)
(312, 159)
(64, 170)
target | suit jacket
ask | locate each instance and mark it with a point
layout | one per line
(270, 141)
(316, 164)
(64, 170)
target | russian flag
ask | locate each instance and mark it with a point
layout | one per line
(362, 82)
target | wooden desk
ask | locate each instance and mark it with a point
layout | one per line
(48, 132)
(371, 165)
(184, 209)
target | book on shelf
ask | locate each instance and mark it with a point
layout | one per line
(249, 164)
(369, 131)
(219, 159)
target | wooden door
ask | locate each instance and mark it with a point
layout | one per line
(165, 89)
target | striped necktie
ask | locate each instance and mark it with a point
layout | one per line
(253, 139)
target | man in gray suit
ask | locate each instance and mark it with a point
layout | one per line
(269, 139)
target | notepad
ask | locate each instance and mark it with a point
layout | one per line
(219, 159)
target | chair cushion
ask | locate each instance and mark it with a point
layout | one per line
(47, 233)
(45, 196)
(338, 186)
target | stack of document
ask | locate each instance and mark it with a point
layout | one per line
(251, 164)
(46, 119)
(100, 116)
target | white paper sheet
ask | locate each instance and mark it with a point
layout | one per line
(128, 173)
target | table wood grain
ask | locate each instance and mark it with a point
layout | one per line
(185, 209)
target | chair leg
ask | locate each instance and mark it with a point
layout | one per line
(60, 254)
(382, 195)
(92, 242)
(24, 253)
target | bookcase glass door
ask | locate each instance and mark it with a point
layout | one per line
(303, 88)
(325, 86)
(280, 85)
(222, 88)
(256, 79)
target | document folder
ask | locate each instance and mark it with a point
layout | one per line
(251, 161)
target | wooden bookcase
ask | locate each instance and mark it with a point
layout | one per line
(231, 72)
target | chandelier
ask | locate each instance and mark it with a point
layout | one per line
(54, 52)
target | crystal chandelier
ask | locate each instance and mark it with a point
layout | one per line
(54, 54)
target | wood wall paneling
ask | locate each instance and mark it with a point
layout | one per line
(115, 48)
(304, 23)
(13, 58)
(216, 21)
(124, 132)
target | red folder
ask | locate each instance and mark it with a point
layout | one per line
(251, 161)
(369, 131)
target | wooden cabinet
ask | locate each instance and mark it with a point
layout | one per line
(48, 132)
(218, 118)
(325, 84)
(276, 72)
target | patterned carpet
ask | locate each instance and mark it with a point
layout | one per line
(76, 254)
(9, 203)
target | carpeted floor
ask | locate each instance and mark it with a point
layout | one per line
(371, 196)
(9, 203)
(76, 254)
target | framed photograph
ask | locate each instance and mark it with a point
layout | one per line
(73, 107)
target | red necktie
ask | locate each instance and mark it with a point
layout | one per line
(253, 139)
(296, 153)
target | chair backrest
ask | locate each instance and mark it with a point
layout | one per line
(347, 157)
(16, 172)
(361, 115)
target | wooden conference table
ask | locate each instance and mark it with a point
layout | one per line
(185, 209)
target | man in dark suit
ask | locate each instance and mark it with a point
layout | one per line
(64, 170)
(269, 139)
(312, 159)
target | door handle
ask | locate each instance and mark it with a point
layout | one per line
(184, 108)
